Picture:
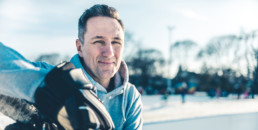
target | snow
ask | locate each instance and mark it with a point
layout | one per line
(222, 122)
(156, 109)
(199, 112)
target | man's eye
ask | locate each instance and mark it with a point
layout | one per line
(115, 42)
(100, 41)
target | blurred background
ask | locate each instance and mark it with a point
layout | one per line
(180, 54)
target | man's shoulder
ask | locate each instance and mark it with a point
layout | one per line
(130, 87)
(132, 98)
(131, 90)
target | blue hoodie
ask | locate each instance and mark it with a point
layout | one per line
(123, 103)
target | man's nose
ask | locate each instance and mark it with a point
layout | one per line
(108, 50)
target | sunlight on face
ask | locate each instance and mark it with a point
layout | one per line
(102, 48)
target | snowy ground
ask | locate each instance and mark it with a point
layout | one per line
(198, 113)
(156, 109)
(220, 122)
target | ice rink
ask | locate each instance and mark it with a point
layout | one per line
(221, 122)
(200, 112)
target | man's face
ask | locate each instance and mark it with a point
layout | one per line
(102, 48)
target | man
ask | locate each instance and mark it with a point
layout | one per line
(100, 46)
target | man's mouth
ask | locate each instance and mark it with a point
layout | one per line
(106, 62)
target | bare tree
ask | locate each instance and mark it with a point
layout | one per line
(184, 53)
(146, 63)
(131, 45)
(230, 51)
(233, 52)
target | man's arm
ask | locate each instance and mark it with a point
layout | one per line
(18, 76)
(134, 119)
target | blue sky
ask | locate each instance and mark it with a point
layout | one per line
(35, 27)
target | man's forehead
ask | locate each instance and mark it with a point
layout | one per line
(104, 28)
(103, 37)
(103, 22)
(101, 19)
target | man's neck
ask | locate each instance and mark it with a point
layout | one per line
(111, 85)
(105, 84)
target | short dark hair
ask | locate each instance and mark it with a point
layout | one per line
(96, 10)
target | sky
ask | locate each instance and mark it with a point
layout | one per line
(37, 27)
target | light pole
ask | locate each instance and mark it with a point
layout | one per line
(169, 81)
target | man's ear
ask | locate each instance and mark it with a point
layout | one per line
(79, 47)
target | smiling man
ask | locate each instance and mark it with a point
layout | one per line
(100, 47)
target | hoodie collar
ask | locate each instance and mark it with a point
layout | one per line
(121, 77)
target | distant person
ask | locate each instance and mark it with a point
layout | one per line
(165, 97)
(183, 91)
(253, 90)
(238, 89)
(247, 91)
(141, 90)
(218, 92)
(100, 47)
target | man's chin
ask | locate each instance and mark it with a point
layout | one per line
(107, 74)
